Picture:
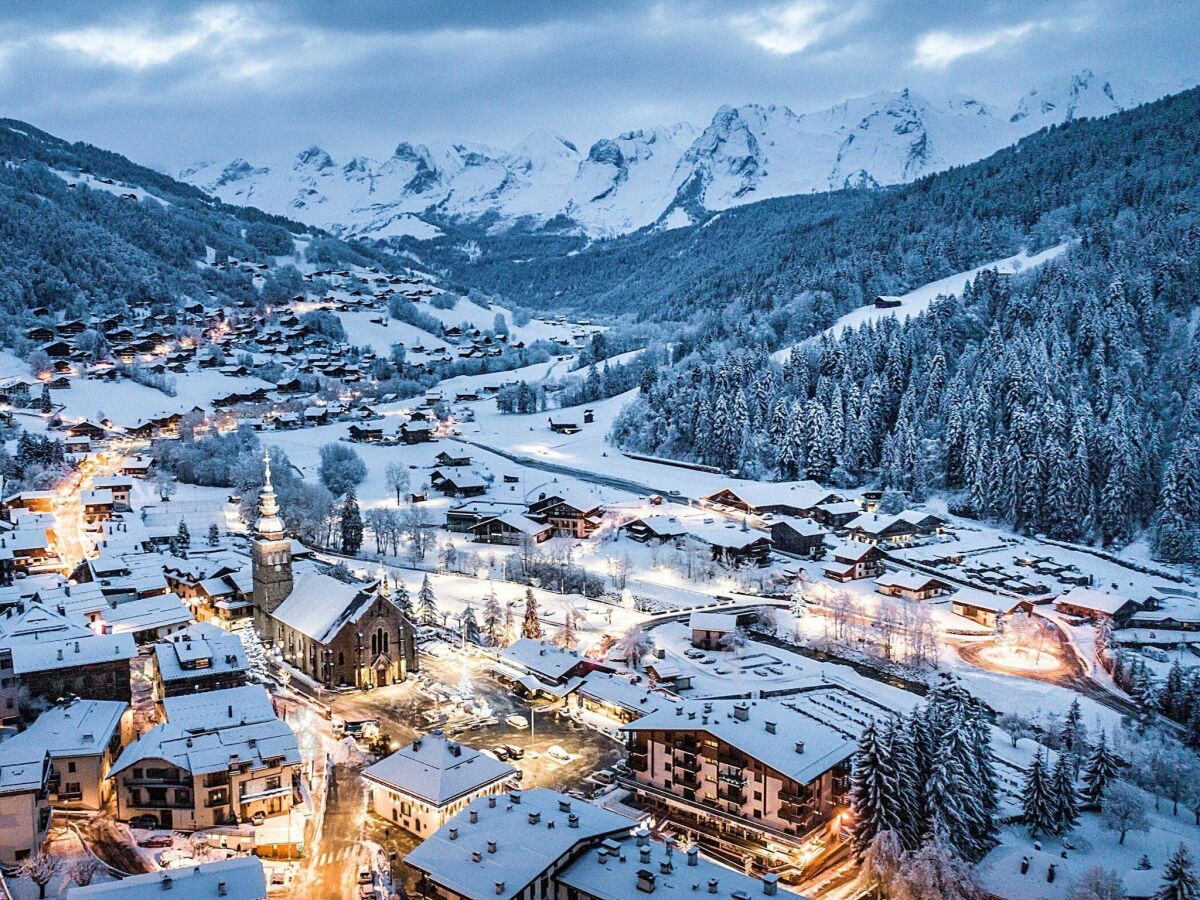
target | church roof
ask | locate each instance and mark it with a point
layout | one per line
(319, 606)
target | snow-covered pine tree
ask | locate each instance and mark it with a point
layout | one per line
(1066, 795)
(531, 627)
(214, 535)
(469, 627)
(1179, 879)
(427, 611)
(1098, 771)
(351, 524)
(872, 786)
(1037, 799)
(400, 597)
(493, 619)
(1073, 736)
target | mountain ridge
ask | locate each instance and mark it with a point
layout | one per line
(663, 176)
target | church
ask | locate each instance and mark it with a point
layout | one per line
(337, 634)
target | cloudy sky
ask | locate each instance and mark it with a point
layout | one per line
(172, 83)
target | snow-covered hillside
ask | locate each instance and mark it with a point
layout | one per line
(664, 175)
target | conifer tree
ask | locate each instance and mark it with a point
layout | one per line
(872, 785)
(214, 535)
(493, 619)
(427, 611)
(1098, 771)
(531, 627)
(400, 597)
(1066, 796)
(1179, 879)
(1037, 799)
(470, 628)
(352, 524)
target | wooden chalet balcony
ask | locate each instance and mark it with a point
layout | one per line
(731, 795)
(688, 781)
(687, 761)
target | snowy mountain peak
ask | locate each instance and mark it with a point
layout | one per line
(662, 176)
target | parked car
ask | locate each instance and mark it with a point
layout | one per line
(145, 820)
(514, 752)
(558, 754)
(517, 721)
(500, 752)
(604, 776)
(158, 840)
(365, 875)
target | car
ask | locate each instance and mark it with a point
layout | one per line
(694, 654)
(365, 875)
(517, 721)
(145, 820)
(514, 752)
(558, 754)
(500, 752)
(258, 818)
(157, 840)
(604, 776)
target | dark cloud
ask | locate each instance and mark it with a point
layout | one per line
(168, 83)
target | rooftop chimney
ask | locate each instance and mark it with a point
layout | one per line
(499, 887)
(693, 855)
(770, 726)
(564, 805)
(645, 881)
(741, 711)
(473, 816)
(572, 821)
(799, 746)
(221, 889)
(491, 846)
(644, 855)
(534, 818)
(712, 885)
(770, 884)
(514, 796)
(453, 833)
(476, 856)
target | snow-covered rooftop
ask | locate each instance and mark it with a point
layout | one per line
(437, 770)
(710, 621)
(236, 878)
(78, 728)
(513, 841)
(179, 655)
(1086, 598)
(319, 605)
(541, 658)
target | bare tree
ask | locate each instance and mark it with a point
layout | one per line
(1125, 810)
(84, 870)
(40, 869)
(396, 477)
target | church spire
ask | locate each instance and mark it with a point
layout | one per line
(269, 526)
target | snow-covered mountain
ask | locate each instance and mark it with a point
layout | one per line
(666, 176)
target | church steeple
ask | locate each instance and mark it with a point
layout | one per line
(269, 526)
(270, 556)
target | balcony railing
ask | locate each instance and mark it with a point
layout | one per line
(687, 761)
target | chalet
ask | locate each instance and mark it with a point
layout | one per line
(33, 501)
(415, 432)
(97, 505)
(316, 415)
(883, 301)
(854, 560)
(366, 435)
(56, 349)
(984, 607)
(538, 667)
(837, 513)
(799, 499)
(800, 536)
(40, 334)
(901, 528)
(730, 544)
(659, 528)
(510, 528)
(422, 785)
(445, 459)
(1090, 604)
(618, 697)
(568, 512)
(911, 585)
(458, 482)
(462, 517)
(589, 416)
(710, 630)
(120, 486)
(564, 427)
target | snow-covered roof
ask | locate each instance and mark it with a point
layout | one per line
(723, 533)
(771, 732)
(97, 497)
(245, 704)
(1086, 598)
(437, 770)
(906, 579)
(663, 525)
(236, 878)
(806, 527)
(78, 728)
(617, 690)
(42, 656)
(178, 655)
(709, 621)
(146, 614)
(541, 658)
(850, 551)
(530, 832)
(22, 767)
(517, 522)
(801, 495)
(613, 871)
(320, 605)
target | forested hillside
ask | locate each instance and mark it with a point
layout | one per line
(795, 264)
(1064, 400)
(83, 230)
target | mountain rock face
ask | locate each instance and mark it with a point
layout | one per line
(663, 177)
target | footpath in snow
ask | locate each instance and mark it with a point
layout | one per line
(916, 301)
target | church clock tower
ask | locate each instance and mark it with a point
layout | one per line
(271, 557)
